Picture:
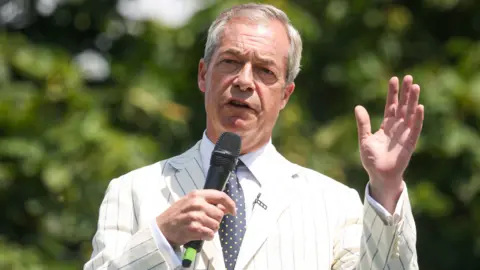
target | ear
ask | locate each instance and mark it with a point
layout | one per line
(202, 73)
(287, 92)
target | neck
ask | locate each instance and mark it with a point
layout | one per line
(250, 142)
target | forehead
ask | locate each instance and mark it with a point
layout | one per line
(259, 38)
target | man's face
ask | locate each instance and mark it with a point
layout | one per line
(245, 82)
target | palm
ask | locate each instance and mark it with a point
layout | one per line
(386, 153)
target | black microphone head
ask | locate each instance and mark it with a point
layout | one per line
(226, 151)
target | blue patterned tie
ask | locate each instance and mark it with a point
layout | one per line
(232, 228)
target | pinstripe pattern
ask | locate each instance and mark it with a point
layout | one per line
(115, 247)
(312, 222)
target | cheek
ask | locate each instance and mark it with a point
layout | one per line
(225, 81)
(214, 92)
(269, 109)
(272, 107)
(272, 99)
(218, 82)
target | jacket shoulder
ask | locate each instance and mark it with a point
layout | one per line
(160, 169)
(317, 180)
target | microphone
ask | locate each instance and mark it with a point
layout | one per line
(222, 164)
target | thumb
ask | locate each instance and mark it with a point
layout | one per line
(363, 122)
(225, 210)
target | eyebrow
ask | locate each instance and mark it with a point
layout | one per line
(236, 52)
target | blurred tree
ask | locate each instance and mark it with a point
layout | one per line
(87, 94)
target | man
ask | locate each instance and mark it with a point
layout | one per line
(277, 215)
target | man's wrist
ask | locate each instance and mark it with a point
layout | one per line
(162, 230)
(386, 196)
(170, 255)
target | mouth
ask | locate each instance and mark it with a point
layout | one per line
(239, 104)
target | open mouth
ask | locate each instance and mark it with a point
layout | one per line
(239, 104)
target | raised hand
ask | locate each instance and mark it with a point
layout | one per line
(386, 153)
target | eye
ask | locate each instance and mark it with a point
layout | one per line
(266, 75)
(229, 61)
(268, 71)
(228, 65)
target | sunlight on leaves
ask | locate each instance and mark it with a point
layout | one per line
(56, 177)
(442, 4)
(337, 10)
(467, 191)
(399, 17)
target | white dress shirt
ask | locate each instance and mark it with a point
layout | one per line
(257, 170)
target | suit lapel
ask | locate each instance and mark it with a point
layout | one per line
(190, 176)
(277, 194)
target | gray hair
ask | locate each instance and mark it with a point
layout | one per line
(257, 12)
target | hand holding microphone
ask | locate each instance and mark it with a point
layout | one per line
(197, 216)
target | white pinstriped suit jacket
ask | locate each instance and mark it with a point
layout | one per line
(312, 222)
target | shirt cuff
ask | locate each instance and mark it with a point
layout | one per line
(382, 212)
(172, 258)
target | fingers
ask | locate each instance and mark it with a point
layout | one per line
(203, 214)
(417, 124)
(392, 98)
(216, 197)
(196, 216)
(402, 105)
(204, 221)
(213, 211)
(198, 231)
(363, 122)
(223, 208)
(412, 103)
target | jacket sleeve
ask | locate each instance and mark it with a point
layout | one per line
(369, 239)
(118, 242)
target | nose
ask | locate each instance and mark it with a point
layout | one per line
(244, 80)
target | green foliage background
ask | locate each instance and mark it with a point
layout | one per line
(63, 136)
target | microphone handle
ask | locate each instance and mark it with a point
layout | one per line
(191, 250)
(217, 177)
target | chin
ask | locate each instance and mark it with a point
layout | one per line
(236, 124)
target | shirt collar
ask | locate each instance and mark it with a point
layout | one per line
(256, 162)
